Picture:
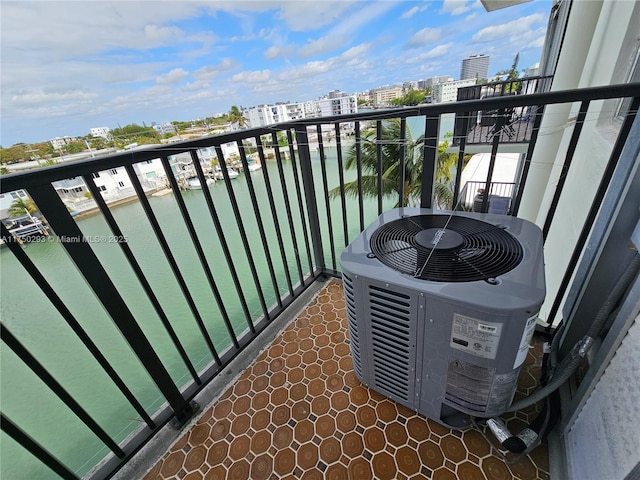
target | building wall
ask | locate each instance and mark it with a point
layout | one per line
(475, 66)
(101, 132)
(6, 199)
(338, 105)
(600, 41)
(269, 114)
(448, 92)
(429, 82)
(383, 97)
(263, 115)
(608, 423)
(59, 142)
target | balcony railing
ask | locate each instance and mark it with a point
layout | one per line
(511, 125)
(233, 256)
(501, 196)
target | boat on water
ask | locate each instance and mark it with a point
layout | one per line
(254, 166)
(230, 171)
(25, 227)
(193, 183)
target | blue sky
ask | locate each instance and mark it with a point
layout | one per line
(70, 66)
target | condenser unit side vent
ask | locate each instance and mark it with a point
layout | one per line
(392, 341)
(355, 342)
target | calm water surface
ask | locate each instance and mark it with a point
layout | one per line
(29, 315)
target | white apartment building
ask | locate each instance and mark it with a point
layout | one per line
(59, 142)
(343, 105)
(269, 114)
(163, 128)
(285, 112)
(103, 132)
(448, 92)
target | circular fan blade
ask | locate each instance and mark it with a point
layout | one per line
(446, 249)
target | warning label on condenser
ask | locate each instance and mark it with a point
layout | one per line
(477, 337)
(469, 385)
(479, 389)
(525, 341)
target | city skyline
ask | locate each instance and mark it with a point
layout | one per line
(79, 65)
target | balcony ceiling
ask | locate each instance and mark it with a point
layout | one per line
(491, 5)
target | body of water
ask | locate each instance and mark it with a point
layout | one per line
(32, 319)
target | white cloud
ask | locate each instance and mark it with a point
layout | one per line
(156, 35)
(321, 45)
(412, 11)
(356, 52)
(133, 61)
(303, 15)
(504, 30)
(282, 51)
(538, 42)
(456, 7)
(344, 31)
(209, 71)
(40, 97)
(256, 76)
(436, 52)
(423, 37)
(174, 76)
(348, 61)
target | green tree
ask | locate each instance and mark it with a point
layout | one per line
(21, 206)
(412, 97)
(235, 116)
(134, 133)
(445, 175)
(414, 154)
(75, 147)
(97, 143)
(391, 148)
(512, 74)
(4, 170)
(14, 154)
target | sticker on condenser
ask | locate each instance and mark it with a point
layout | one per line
(474, 336)
(525, 341)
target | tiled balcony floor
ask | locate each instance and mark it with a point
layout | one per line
(299, 412)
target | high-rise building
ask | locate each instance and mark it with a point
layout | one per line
(475, 66)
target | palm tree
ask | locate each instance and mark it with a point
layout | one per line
(445, 175)
(235, 116)
(20, 206)
(391, 149)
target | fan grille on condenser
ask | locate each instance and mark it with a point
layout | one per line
(466, 250)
